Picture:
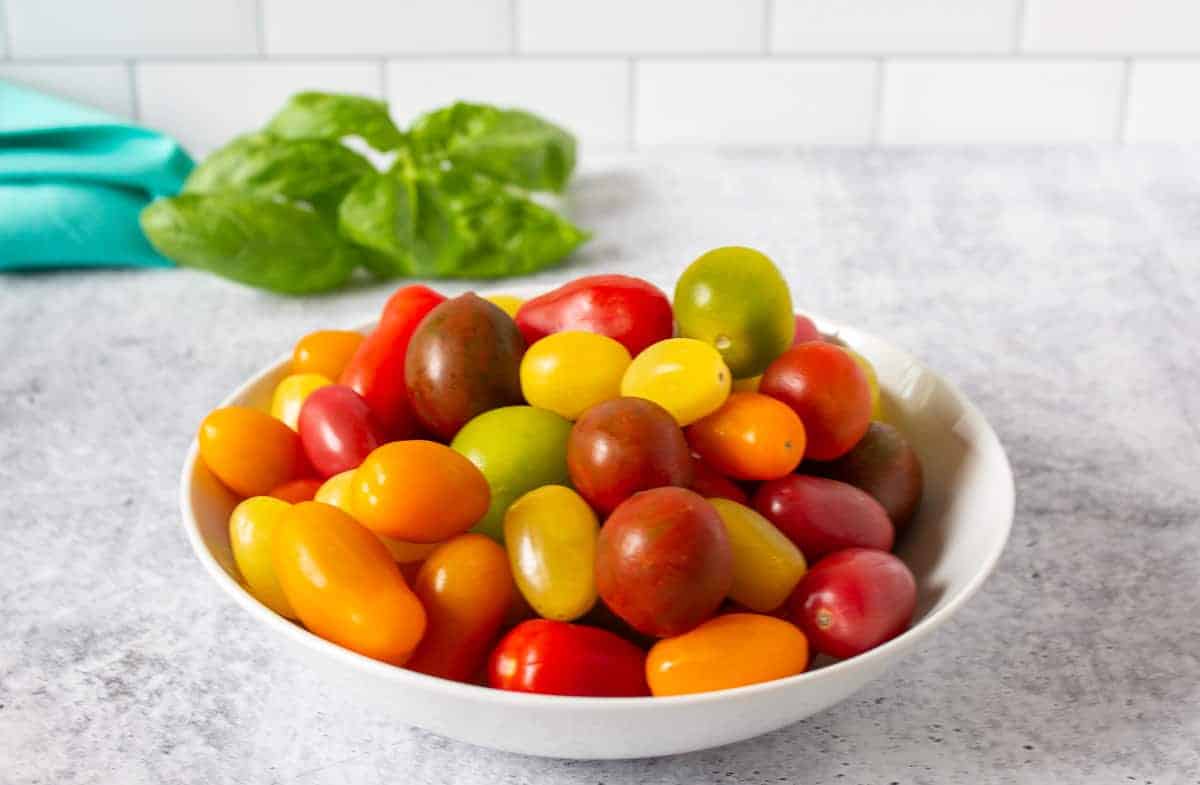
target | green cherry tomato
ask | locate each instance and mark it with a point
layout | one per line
(736, 300)
(518, 448)
(686, 377)
(551, 535)
(766, 565)
(569, 373)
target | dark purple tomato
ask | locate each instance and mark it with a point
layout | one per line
(623, 446)
(822, 516)
(338, 429)
(663, 561)
(884, 465)
(853, 600)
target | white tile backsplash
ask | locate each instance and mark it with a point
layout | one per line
(755, 102)
(356, 27)
(590, 96)
(641, 26)
(1004, 101)
(888, 26)
(131, 28)
(205, 104)
(1157, 112)
(104, 87)
(1113, 26)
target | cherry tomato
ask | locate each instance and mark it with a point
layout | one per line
(822, 516)
(291, 393)
(337, 492)
(629, 310)
(686, 377)
(418, 491)
(751, 437)
(623, 446)
(558, 658)
(725, 652)
(551, 535)
(326, 352)
(343, 584)
(884, 465)
(663, 561)
(466, 589)
(376, 371)
(872, 383)
(338, 429)
(570, 372)
(822, 384)
(296, 491)
(250, 451)
(766, 565)
(736, 300)
(506, 302)
(251, 527)
(853, 600)
(711, 484)
(805, 330)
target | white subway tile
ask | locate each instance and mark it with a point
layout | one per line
(754, 102)
(589, 97)
(1002, 101)
(205, 105)
(100, 86)
(130, 28)
(638, 26)
(884, 26)
(1112, 26)
(399, 27)
(1162, 102)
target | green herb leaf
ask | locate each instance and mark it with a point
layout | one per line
(270, 244)
(510, 145)
(314, 115)
(317, 171)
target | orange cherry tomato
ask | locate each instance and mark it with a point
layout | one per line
(326, 352)
(343, 584)
(336, 492)
(250, 451)
(295, 491)
(751, 437)
(418, 491)
(466, 588)
(728, 651)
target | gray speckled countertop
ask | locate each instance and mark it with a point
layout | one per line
(1060, 288)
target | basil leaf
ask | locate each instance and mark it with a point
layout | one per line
(313, 115)
(510, 145)
(270, 244)
(316, 171)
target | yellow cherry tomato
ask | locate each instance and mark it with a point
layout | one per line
(766, 564)
(551, 534)
(249, 451)
(729, 651)
(291, 393)
(872, 382)
(466, 589)
(343, 584)
(326, 352)
(686, 377)
(250, 530)
(570, 372)
(506, 302)
(747, 385)
(336, 493)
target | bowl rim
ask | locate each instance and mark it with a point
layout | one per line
(918, 632)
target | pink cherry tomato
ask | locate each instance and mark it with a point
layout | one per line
(338, 429)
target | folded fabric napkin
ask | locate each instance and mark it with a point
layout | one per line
(73, 180)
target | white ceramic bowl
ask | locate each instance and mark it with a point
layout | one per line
(961, 529)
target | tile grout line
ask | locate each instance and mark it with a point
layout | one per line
(880, 87)
(135, 101)
(514, 27)
(768, 23)
(383, 79)
(5, 32)
(631, 104)
(1019, 22)
(260, 29)
(1125, 94)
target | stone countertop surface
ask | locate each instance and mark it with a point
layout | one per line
(1059, 287)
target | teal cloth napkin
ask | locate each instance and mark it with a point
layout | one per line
(73, 180)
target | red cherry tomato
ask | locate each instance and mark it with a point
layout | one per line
(805, 330)
(338, 429)
(376, 371)
(558, 658)
(822, 384)
(854, 600)
(822, 516)
(711, 484)
(632, 311)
